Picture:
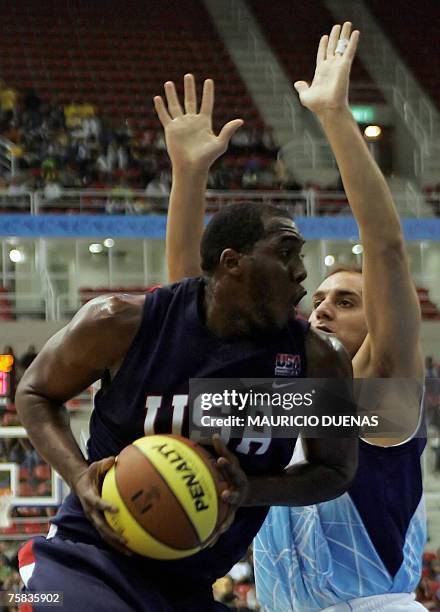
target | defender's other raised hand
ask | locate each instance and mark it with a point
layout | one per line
(329, 88)
(190, 141)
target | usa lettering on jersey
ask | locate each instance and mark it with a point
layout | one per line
(287, 365)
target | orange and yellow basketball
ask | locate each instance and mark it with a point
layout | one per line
(167, 489)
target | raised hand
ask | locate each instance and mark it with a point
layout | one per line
(188, 134)
(329, 88)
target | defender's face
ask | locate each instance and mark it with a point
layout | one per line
(276, 271)
(338, 309)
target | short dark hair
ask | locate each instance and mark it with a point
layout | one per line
(344, 268)
(236, 226)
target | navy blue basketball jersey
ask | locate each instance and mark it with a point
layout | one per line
(149, 393)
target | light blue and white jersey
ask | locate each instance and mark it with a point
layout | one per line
(367, 542)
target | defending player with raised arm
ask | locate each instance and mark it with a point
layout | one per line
(382, 315)
(368, 542)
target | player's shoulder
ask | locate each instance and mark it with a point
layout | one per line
(113, 312)
(326, 356)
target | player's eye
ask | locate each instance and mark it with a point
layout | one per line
(316, 304)
(345, 303)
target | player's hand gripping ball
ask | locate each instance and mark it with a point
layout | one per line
(168, 493)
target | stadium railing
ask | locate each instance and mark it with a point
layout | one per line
(7, 155)
(308, 202)
(28, 305)
(23, 203)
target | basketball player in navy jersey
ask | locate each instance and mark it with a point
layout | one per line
(231, 323)
(362, 551)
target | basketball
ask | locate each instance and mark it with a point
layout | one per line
(167, 489)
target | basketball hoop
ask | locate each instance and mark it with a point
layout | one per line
(5, 507)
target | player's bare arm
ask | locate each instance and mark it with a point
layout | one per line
(331, 463)
(391, 305)
(193, 148)
(96, 340)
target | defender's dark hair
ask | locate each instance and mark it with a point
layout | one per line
(344, 268)
(236, 226)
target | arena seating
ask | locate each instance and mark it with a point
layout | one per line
(430, 311)
(294, 38)
(6, 308)
(411, 27)
(116, 55)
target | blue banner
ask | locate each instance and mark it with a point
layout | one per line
(153, 227)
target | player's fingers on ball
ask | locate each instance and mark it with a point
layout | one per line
(98, 469)
(110, 536)
(231, 497)
(222, 463)
(174, 108)
(104, 465)
(102, 505)
(233, 472)
(221, 448)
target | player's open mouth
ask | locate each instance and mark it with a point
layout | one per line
(325, 329)
(299, 294)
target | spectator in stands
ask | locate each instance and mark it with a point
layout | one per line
(32, 117)
(53, 191)
(73, 115)
(223, 590)
(241, 139)
(431, 370)
(157, 193)
(8, 350)
(17, 186)
(8, 101)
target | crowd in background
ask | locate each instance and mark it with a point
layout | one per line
(9, 577)
(59, 147)
(428, 591)
(73, 147)
(236, 590)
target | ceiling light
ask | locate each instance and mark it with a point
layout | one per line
(16, 256)
(373, 131)
(96, 248)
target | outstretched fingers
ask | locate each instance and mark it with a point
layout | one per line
(229, 130)
(352, 46)
(161, 111)
(322, 49)
(174, 108)
(345, 31)
(190, 99)
(301, 86)
(333, 40)
(207, 98)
